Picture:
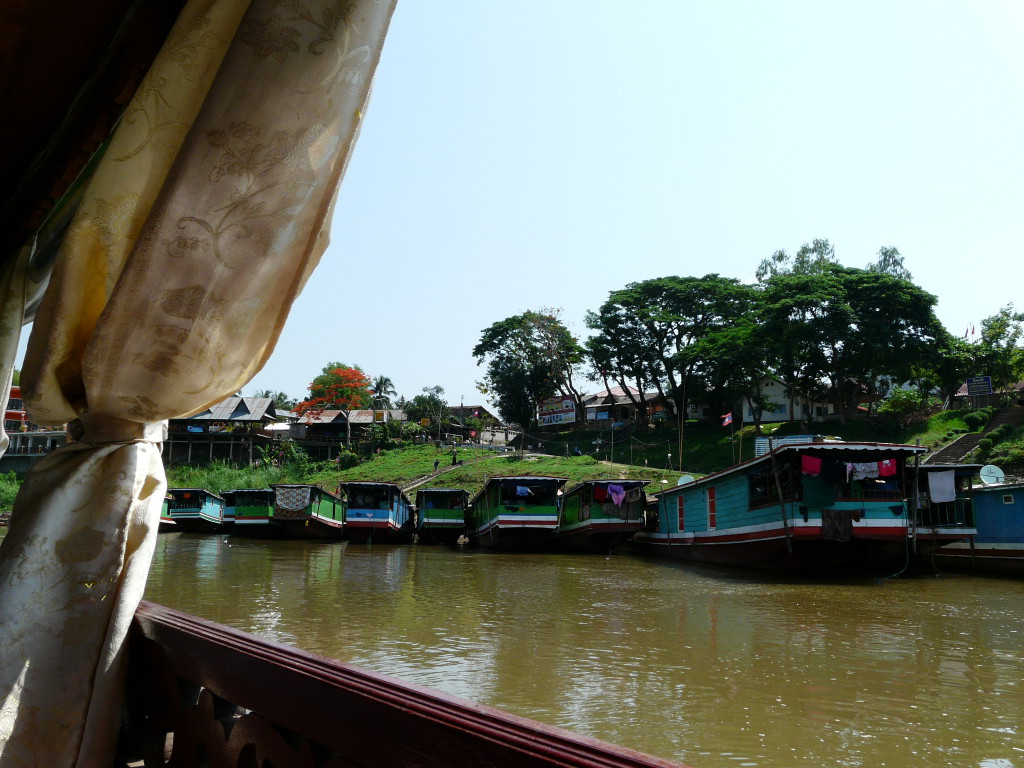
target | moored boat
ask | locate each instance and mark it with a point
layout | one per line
(196, 510)
(598, 515)
(515, 512)
(252, 510)
(303, 511)
(807, 506)
(999, 544)
(377, 512)
(441, 514)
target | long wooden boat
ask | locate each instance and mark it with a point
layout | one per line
(812, 506)
(441, 514)
(999, 546)
(252, 510)
(377, 512)
(204, 694)
(303, 511)
(515, 512)
(598, 515)
(196, 510)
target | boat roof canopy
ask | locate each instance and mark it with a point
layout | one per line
(578, 488)
(368, 485)
(853, 453)
(176, 491)
(534, 480)
(960, 469)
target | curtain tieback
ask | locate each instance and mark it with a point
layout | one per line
(100, 429)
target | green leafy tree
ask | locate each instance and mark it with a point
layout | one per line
(798, 318)
(282, 401)
(528, 357)
(431, 405)
(847, 327)
(619, 354)
(952, 360)
(811, 258)
(730, 364)
(643, 330)
(890, 262)
(998, 353)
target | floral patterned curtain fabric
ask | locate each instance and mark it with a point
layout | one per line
(202, 223)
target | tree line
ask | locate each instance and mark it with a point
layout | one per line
(824, 330)
(344, 387)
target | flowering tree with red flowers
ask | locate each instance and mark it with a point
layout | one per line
(339, 387)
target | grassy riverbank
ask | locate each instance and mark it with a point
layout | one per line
(415, 466)
(641, 455)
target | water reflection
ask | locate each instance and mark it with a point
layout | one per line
(712, 667)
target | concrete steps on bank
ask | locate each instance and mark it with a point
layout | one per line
(961, 448)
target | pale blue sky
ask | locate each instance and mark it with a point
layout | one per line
(530, 154)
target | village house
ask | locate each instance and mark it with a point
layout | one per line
(232, 430)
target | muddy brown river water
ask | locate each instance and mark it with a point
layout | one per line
(708, 666)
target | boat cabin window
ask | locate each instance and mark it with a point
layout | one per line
(764, 491)
(370, 500)
(526, 495)
(442, 501)
(185, 500)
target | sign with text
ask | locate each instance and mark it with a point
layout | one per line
(556, 410)
(979, 385)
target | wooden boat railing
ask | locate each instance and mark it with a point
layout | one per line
(203, 694)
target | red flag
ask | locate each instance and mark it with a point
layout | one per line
(727, 419)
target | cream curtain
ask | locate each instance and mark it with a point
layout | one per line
(200, 226)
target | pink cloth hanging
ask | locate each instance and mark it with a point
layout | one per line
(809, 465)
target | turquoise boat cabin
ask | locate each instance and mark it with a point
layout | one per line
(303, 511)
(817, 505)
(196, 510)
(998, 510)
(377, 512)
(598, 515)
(515, 512)
(441, 514)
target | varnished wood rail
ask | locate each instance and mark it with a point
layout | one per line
(201, 694)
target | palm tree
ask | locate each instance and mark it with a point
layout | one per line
(383, 389)
(281, 400)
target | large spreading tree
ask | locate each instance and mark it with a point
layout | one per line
(644, 330)
(528, 358)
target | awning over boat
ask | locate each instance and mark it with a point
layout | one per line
(836, 450)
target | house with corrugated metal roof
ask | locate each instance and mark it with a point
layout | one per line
(617, 405)
(234, 412)
(230, 430)
(317, 424)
